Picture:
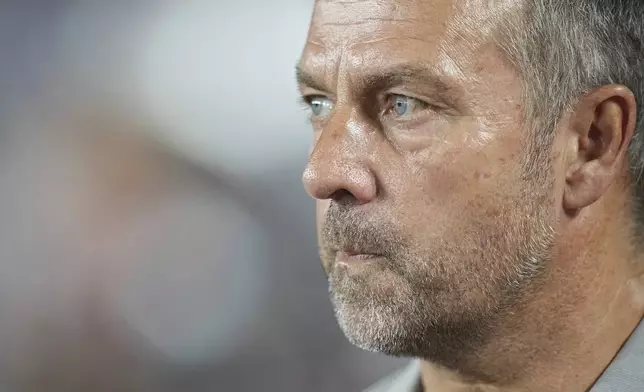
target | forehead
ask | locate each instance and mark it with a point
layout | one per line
(338, 22)
(363, 34)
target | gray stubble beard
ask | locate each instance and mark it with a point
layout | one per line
(413, 316)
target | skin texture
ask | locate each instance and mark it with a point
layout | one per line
(445, 232)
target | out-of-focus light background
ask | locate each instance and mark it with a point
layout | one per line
(155, 235)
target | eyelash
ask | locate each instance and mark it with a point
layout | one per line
(305, 104)
(305, 101)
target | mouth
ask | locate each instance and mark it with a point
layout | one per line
(349, 256)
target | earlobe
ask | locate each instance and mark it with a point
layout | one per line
(584, 186)
(601, 129)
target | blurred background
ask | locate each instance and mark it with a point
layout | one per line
(155, 235)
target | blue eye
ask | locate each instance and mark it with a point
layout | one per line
(405, 106)
(320, 106)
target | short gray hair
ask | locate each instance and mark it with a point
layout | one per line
(565, 48)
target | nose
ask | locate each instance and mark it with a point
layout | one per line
(338, 168)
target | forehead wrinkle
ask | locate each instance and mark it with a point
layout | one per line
(310, 41)
(345, 13)
(387, 39)
(372, 20)
(475, 21)
(403, 38)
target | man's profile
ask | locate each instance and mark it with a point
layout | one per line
(479, 171)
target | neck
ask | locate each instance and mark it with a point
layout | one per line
(566, 336)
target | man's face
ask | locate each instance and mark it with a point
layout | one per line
(429, 226)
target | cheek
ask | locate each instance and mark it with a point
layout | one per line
(463, 178)
(460, 188)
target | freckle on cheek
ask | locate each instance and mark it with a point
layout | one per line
(481, 175)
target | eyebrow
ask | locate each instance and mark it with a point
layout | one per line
(306, 79)
(427, 78)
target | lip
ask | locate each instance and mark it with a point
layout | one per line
(352, 257)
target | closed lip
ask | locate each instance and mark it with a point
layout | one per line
(355, 256)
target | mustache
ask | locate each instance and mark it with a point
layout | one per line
(345, 228)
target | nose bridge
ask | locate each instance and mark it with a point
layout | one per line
(339, 143)
(349, 66)
(339, 160)
(347, 127)
(346, 131)
(348, 124)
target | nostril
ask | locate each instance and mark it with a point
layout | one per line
(343, 196)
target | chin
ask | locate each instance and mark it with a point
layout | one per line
(406, 333)
(371, 330)
(376, 313)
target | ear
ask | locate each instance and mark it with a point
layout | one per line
(602, 126)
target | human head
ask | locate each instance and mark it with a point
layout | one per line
(443, 193)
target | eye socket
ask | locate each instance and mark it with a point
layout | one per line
(404, 106)
(320, 106)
